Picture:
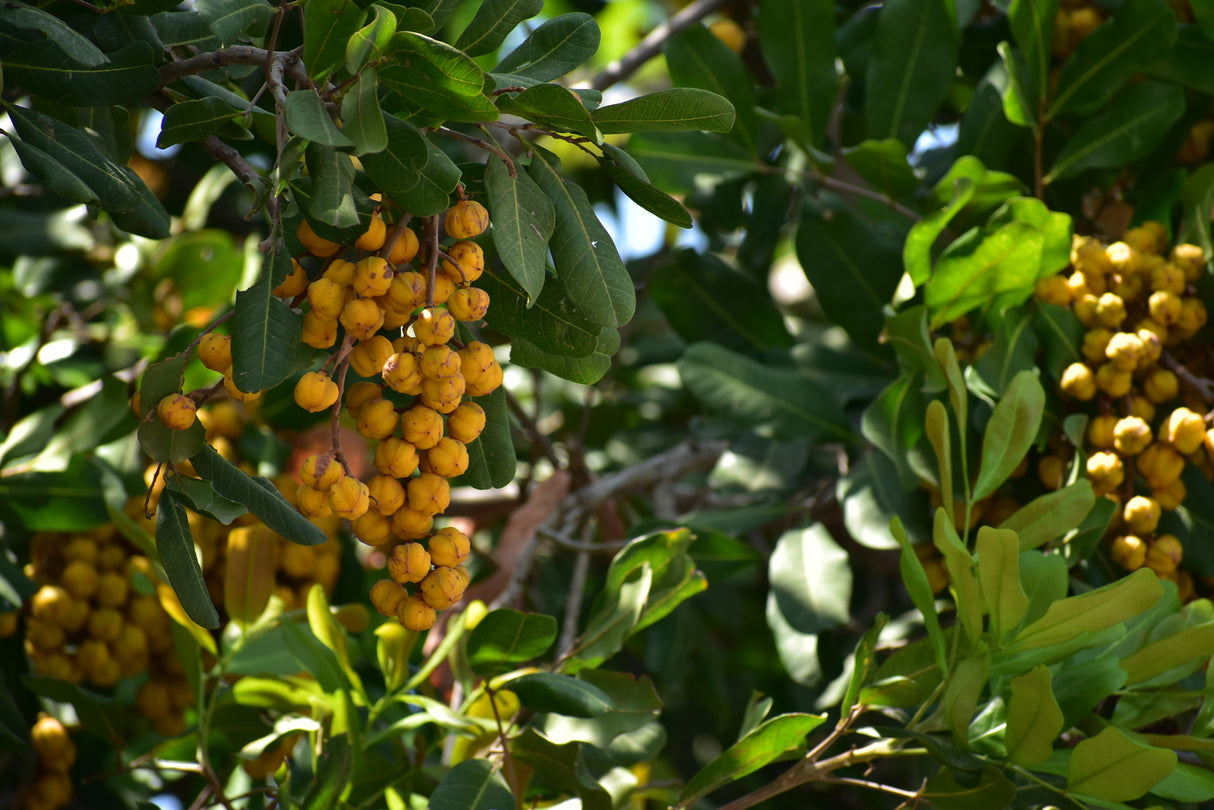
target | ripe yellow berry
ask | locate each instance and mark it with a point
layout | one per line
(1193, 316)
(1084, 308)
(1189, 258)
(1161, 385)
(1164, 307)
(316, 245)
(410, 562)
(327, 298)
(386, 493)
(359, 394)
(1110, 310)
(312, 502)
(377, 419)
(215, 351)
(404, 248)
(340, 272)
(315, 392)
(429, 494)
(1131, 436)
(362, 318)
(1160, 465)
(113, 588)
(177, 412)
(402, 373)
(466, 262)
(1141, 514)
(372, 277)
(1100, 432)
(1152, 336)
(434, 326)
(1106, 472)
(1168, 278)
(1164, 554)
(1053, 290)
(1185, 430)
(443, 393)
(466, 422)
(448, 458)
(1113, 381)
(1171, 495)
(349, 498)
(408, 524)
(407, 291)
(321, 471)
(1095, 343)
(439, 361)
(1124, 351)
(80, 579)
(319, 332)
(295, 283)
(372, 528)
(422, 426)
(415, 614)
(105, 624)
(53, 743)
(468, 304)
(373, 238)
(386, 596)
(466, 219)
(368, 356)
(730, 33)
(1129, 551)
(442, 588)
(396, 457)
(449, 547)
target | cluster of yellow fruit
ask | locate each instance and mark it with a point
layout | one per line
(1073, 21)
(1137, 300)
(51, 787)
(413, 403)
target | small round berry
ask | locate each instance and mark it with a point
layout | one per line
(396, 457)
(349, 498)
(386, 493)
(316, 245)
(448, 458)
(386, 596)
(429, 494)
(368, 356)
(466, 219)
(449, 547)
(1131, 435)
(434, 326)
(415, 614)
(215, 351)
(362, 318)
(410, 562)
(468, 304)
(372, 277)
(422, 426)
(405, 248)
(378, 419)
(466, 262)
(373, 238)
(177, 412)
(1141, 514)
(442, 588)
(1129, 551)
(295, 283)
(315, 392)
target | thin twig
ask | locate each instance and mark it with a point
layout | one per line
(232, 55)
(431, 226)
(501, 734)
(647, 48)
(483, 144)
(577, 584)
(532, 430)
(564, 541)
(1201, 385)
(235, 161)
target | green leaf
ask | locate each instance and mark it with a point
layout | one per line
(586, 260)
(936, 426)
(259, 495)
(1187, 646)
(1010, 432)
(1095, 610)
(920, 591)
(505, 639)
(884, 165)
(491, 458)
(560, 694)
(100, 714)
(1023, 241)
(547, 322)
(1137, 33)
(562, 767)
(438, 78)
(1112, 767)
(229, 19)
(1061, 334)
(176, 547)
(798, 42)
(962, 582)
(853, 267)
(327, 630)
(913, 64)
(864, 664)
(767, 743)
(619, 611)
(553, 107)
(314, 657)
(308, 118)
(493, 22)
(1034, 720)
(69, 501)
(30, 434)
(999, 576)
(364, 121)
(1188, 783)
(696, 58)
(585, 370)
(960, 700)
(870, 495)
(1032, 23)
(474, 784)
(523, 222)
(194, 120)
(1017, 94)
(948, 790)
(674, 578)
(162, 444)
(201, 497)
(332, 202)
(332, 775)
(397, 168)
(266, 334)
(675, 110)
(28, 18)
(775, 401)
(93, 422)
(1050, 516)
(634, 704)
(328, 28)
(811, 579)
(895, 422)
(917, 250)
(371, 42)
(682, 161)
(148, 218)
(554, 48)
(703, 298)
(632, 180)
(1130, 128)
(43, 68)
(58, 179)
(431, 193)
(1013, 350)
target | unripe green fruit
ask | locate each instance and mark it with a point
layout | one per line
(315, 392)
(177, 412)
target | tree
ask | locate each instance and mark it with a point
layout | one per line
(436, 490)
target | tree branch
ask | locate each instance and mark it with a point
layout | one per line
(647, 48)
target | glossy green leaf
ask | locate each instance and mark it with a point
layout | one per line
(1113, 767)
(870, 495)
(100, 714)
(194, 120)
(1032, 23)
(617, 613)
(314, 657)
(959, 702)
(363, 121)
(507, 638)
(853, 267)
(493, 21)
(1130, 128)
(370, 42)
(1010, 432)
(771, 740)
(523, 222)
(438, 78)
(554, 48)
(1095, 610)
(1187, 783)
(148, 218)
(681, 161)
(1018, 94)
(560, 694)
(29, 18)
(1050, 516)
(329, 632)
(998, 553)
(798, 42)
(1022, 242)
(553, 107)
(632, 180)
(864, 663)
(328, 27)
(57, 178)
(332, 192)
(474, 784)
(71, 500)
(675, 110)
(229, 19)
(913, 62)
(772, 400)
(586, 259)
(430, 193)
(920, 591)
(811, 579)
(333, 769)
(308, 118)
(547, 322)
(634, 704)
(1187, 646)
(1034, 720)
(1061, 336)
(883, 164)
(1013, 350)
(563, 767)
(962, 582)
(42, 67)
(674, 578)
(894, 423)
(491, 457)
(265, 332)
(696, 58)
(1137, 33)
(917, 249)
(176, 547)
(259, 495)
(586, 370)
(948, 790)
(991, 188)
(398, 166)
(939, 435)
(703, 298)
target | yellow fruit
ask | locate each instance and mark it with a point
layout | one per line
(443, 393)
(1053, 290)
(1124, 351)
(429, 494)
(319, 332)
(1164, 554)
(1164, 307)
(373, 238)
(349, 498)
(386, 596)
(1131, 436)
(434, 326)
(215, 351)
(53, 743)
(408, 524)
(442, 588)
(410, 562)
(448, 458)
(80, 579)
(1170, 496)
(404, 248)
(422, 426)
(321, 471)
(1106, 472)
(1113, 381)
(407, 291)
(1160, 465)
(466, 422)
(234, 390)
(1141, 514)
(468, 304)
(1129, 551)
(1168, 278)
(359, 394)
(466, 219)
(368, 356)
(1185, 430)
(372, 277)
(295, 283)
(377, 419)
(314, 503)
(327, 298)
(730, 33)
(415, 614)
(177, 412)
(1100, 432)
(466, 262)
(1110, 310)
(1095, 343)
(402, 373)
(396, 457)
(372, 528)
(315, 392)
(449, 547)
(316, 245)
(113, 588)
(1190, 259)
(362, 318)
(386, 494)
